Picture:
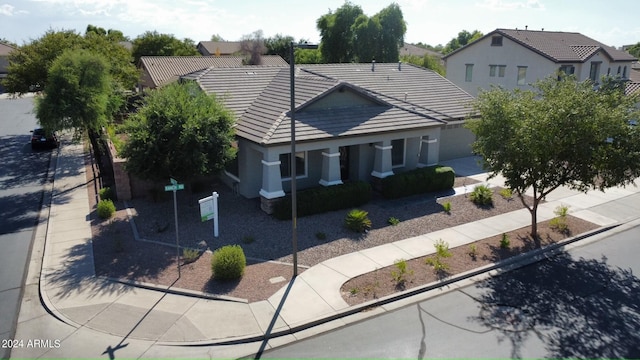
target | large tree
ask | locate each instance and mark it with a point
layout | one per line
(350, 35)
(79, 93)
(464, 37)
(561, 133)
(180, 132)
(634, 50)
(29, 64)
(279, 45)
(152, 43)
(336, 33)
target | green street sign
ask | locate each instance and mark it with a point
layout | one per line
(174, 187)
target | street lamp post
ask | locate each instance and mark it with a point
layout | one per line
(292, 161)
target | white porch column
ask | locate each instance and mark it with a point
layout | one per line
(271, 179)
(382, 160)
(331, 167)
(428, 151)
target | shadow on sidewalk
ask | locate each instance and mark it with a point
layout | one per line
(267, 333)
(580, 308)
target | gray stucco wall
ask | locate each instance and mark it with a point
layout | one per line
(455, 142)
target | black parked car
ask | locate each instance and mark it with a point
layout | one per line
(43, 139)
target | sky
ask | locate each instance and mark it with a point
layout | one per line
(433, 22)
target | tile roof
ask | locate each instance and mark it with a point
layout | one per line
(165, 69)
(393, 100)
(410, 49)
(5, 49)
(558, 46)
(224, 47)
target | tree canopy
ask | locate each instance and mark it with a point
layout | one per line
(560, 133)
(178, 132)
(152, 43)
(427, 61)
(350, 35)
(29, 64)
(464, 37)
(635, 50)
(79, 92)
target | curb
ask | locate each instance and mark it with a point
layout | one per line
(472, 276)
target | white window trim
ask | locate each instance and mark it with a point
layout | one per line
(524, 78)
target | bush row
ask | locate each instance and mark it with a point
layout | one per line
(418, 181)
(322, 199)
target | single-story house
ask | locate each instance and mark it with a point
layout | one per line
(353, 122)
(161, 70)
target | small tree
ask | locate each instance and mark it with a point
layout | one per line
(79, 93)
(563, 133)
(179, 131)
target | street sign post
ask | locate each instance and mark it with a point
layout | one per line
(175, 187)
(209, 210)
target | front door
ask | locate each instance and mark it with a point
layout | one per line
(344, 163)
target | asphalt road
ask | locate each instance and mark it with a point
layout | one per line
(584, 303)
(22, 178)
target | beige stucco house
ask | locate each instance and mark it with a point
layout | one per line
(5, 50)
(353, 122)
(514, 59)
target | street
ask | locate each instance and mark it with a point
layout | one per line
(22, 177)
(583, 303)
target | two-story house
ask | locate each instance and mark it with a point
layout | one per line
(513, 59)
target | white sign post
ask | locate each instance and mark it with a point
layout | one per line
(209, 210)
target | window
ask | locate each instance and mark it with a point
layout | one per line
(594, 73)
(397, 152)
(496, 41)
(500, 72)
(568, 69)
(624, 73)
(285, 166)
(522, 75)
(468, 73)
(618, 70)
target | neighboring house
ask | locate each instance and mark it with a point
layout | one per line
(5, 50)
(161, 70)
(353, 122)
(633, 85)
(219, 48)
(516, 58)
(410, 49)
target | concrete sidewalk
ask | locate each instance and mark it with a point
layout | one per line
(94, 308)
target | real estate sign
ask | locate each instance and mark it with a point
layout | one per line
(209, 211)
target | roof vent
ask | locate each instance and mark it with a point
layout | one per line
(399, 65)
(373, 65)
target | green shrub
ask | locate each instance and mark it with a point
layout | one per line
(106, 209)
(357, 220)
(481, 195)
(228, 262)
(447, 207)
(401, 272)
(559, 223)
(418, 181)
(323, 199)
(105, 193)
(190, 255)
(437, 260)
(505, 243)
(506, 193)
(393, 221)
(473, 251)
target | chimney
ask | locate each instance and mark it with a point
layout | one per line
(373, 65)
(399, 65)
(526, 27)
